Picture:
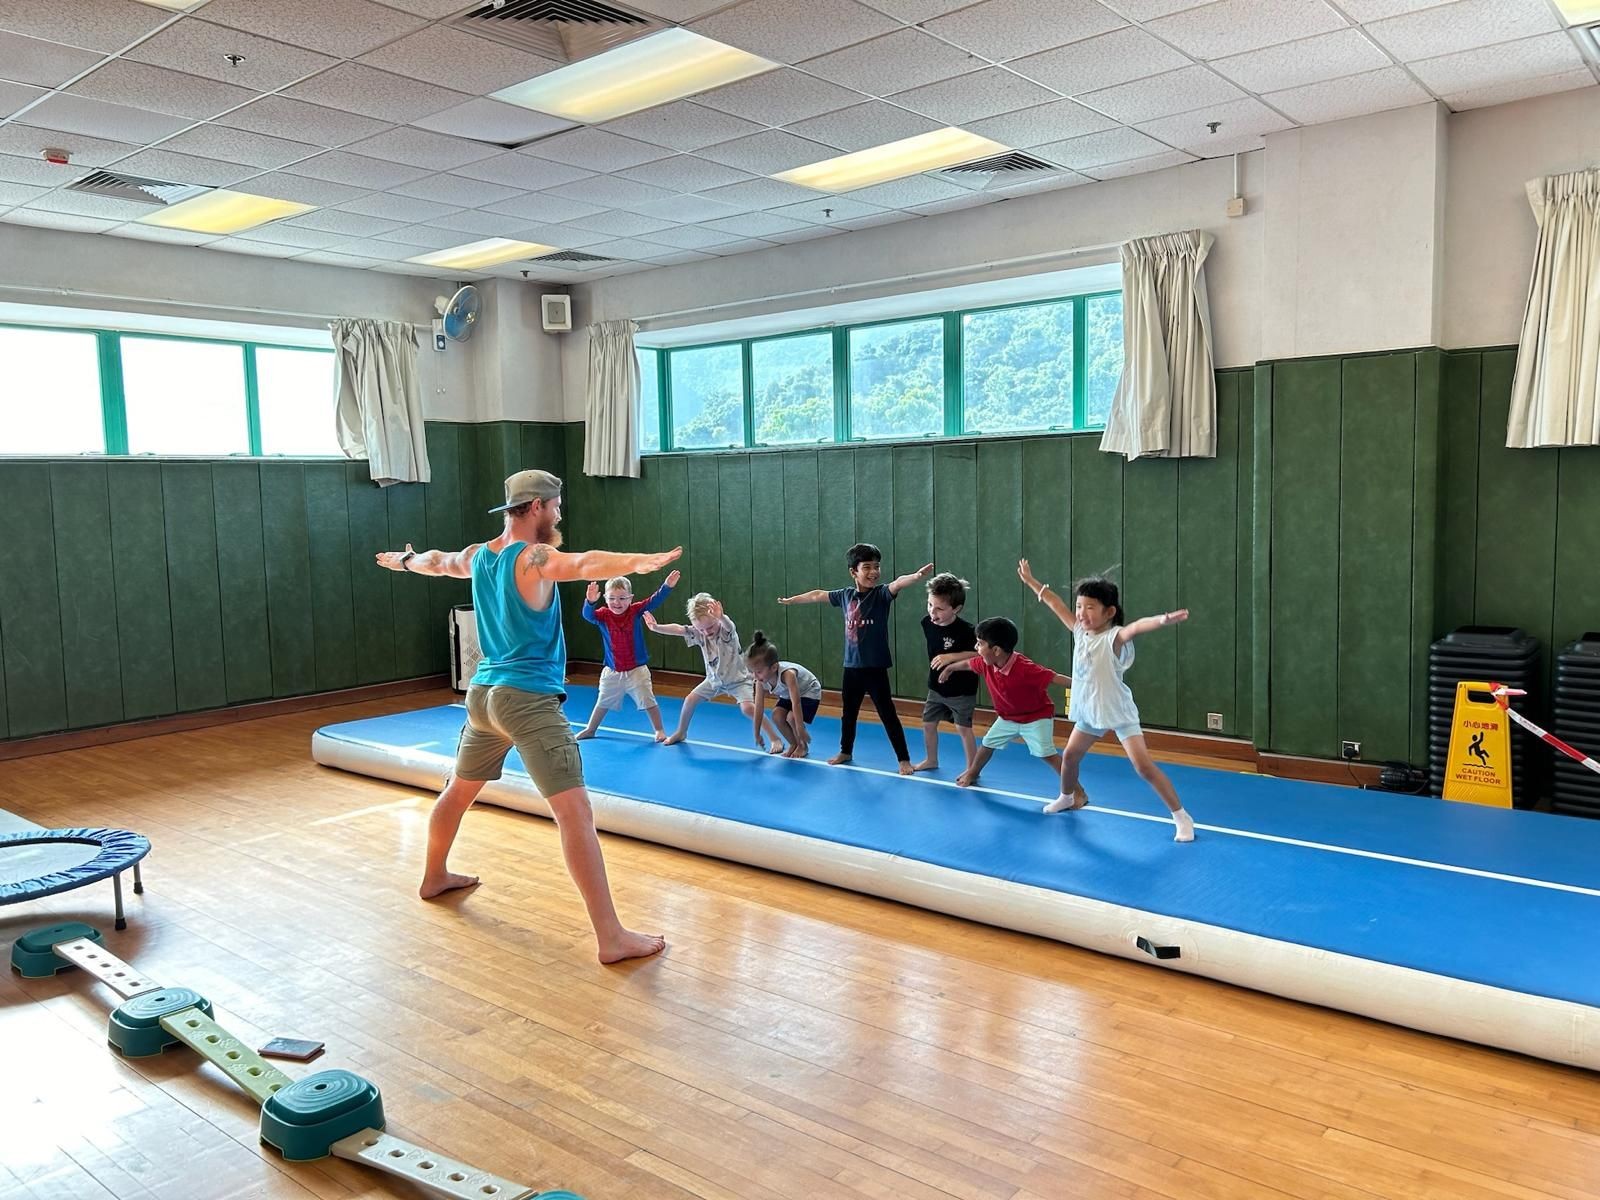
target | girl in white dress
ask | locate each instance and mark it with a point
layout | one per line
(1102, 649)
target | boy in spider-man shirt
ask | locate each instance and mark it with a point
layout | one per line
(621, 623)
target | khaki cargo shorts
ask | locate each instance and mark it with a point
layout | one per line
(501, 717)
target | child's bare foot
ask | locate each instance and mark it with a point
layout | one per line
(775, 748)
(661, 735)
(628, 945)
(583, 735)
(905, 766)
(798, 751)
(967, 778)
(927, 764)
(672, 740)
(839, 759)
(438, 885)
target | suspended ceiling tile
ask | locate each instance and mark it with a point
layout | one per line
(281, 233)
(985, 93)
(539, 206)
(828, 210)
(29, 141)
(278, 116)
(1309, 60)
(627, 248)
(456, 191)
(333, 220)
(458, 60)
(1241, 125)
(1352, 96)
(619, 224)
(485, 120)
(239, 146)
(790, 31)
(1522, 89)
(1162, 95)
(684, 210)
(107, 25)
(19, 193)
(1491, 66)
(473, 224)
(55, 220)
(1149, 10)
(914, 12)
(1100, 62)
(896, 62)
(1141, 166)
(522, 171)
(421, 238)
(686, 237)
(340, 166)
(684, 173)
(609, 191)
(1376, 10)
(156, 233)
(46, 64)
(1235, 26)
(677, 10)
(140, 85)
(342, 28)
(161, 163)
(198, 48)
(83, 204)
(595, 150)
(36, 172)
(1044, 123)
(768, 152)
(1098, 149)
(903, 193)
(759, 193)
(755, 224)
(14, 96)
(1465, 25)
(780, 98)
(390, 207)
(303, 189)
(682, 125)
(420, 148)
(1002, 29)
(98, 118)
(374, 93)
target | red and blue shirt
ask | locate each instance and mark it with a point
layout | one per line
(622, 633)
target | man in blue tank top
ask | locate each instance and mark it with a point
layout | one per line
(515, 695)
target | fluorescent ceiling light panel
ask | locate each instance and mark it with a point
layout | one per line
(653, 70)
(893, 160)
(1579, 12)
(223, 211)
(486, 253)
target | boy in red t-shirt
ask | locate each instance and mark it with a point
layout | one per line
(1018, 686)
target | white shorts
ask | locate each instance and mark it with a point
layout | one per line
(615, 684)
(1123, 732)
(742, 690)
(1038, 735)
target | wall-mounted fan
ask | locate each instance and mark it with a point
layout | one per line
(459, 313)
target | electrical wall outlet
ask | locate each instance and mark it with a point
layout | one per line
(1214, 722)
(1350, 750)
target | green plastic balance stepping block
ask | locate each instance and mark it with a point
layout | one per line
(33, 954)
(305, 1119)
(136, 1029)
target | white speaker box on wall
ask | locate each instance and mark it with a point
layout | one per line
(555, 313)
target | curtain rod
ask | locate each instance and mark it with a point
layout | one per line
(1020, 260)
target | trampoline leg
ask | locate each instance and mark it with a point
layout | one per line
(138, 884)
(116, 884)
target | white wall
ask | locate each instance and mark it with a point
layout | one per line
(517, 365)
(1489, 232)
(47, 266)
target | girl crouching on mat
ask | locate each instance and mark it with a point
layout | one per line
(1102, 649)
(798, 693)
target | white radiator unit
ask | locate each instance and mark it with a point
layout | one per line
(464, 652)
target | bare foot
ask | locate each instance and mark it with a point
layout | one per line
(839, 759)
(966, 779)
(671, 741)
(631, 945)
(927, 764)
(775, 748)
(798, 751)
(583, 735)
(661, 736)
(905, 767)
(448, 882)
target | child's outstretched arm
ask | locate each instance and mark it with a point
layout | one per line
(1145, 624)
(656, 626)
(955, 660)
(589, 599)
(1046, 595)
(658, 597)
(814, 596)
(905, 581)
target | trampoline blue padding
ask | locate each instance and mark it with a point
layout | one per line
(1487, 898)
(114, 851)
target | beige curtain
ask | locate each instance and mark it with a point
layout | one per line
(1166, 402)
(611, 442)
(1555, 395)
(379, 406)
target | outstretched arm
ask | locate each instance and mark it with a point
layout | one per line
(1145, 624)
(589, 599)
(814, 596)
(455, 563)
(661, 593)
(1047, 596)
(656, 626)
(549, 563)
(899, 584)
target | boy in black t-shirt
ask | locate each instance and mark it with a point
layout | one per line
(954, 698)
(866, 645)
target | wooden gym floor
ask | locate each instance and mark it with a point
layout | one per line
(796, 1041)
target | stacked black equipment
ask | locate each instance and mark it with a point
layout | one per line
(1575, 718)
(1490, 653)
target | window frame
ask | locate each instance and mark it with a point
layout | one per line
(113, 399)
(843, 433)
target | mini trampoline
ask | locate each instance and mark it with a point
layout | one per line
(42, 862)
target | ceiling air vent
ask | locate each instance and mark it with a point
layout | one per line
(563, 30)
(1011, 163)
(571, 256)
(135, 188)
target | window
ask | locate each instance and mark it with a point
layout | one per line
(50, 393)
(295, 401)
(1017, 366)
(707, 396)
(184, 397)
(791, 384)
(649, 401)
(897, 380)
(1103, 354)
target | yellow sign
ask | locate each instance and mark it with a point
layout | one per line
(1479, 767)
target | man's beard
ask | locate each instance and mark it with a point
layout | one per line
(548, 534)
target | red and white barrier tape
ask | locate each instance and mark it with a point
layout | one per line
(1572, 752)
